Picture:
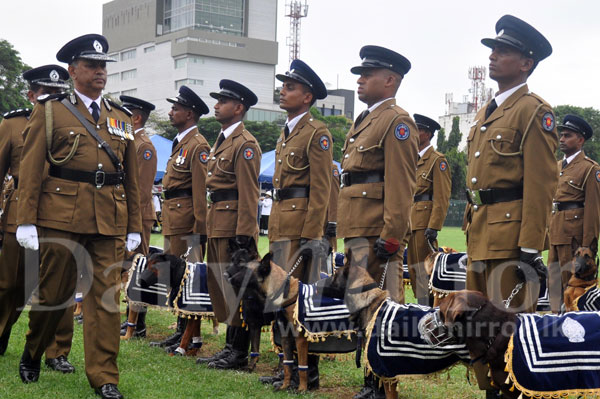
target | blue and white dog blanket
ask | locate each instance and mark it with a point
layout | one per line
(193, 299)
(155, 295)
(449, 274)
(590, 300)
(395, 347)
(552, 355)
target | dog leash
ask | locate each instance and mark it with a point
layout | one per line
(514, 292)
(383, 275)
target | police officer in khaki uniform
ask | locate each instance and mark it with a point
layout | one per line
(431, 201)
(511, 175)
(146, 158)
(85, 211)
(184, 183)
(302, 183)
(233, 191)
(575, 220)
(378, 179)
(14, 290)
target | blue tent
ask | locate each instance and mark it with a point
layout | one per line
(163, 152)
(267, 169)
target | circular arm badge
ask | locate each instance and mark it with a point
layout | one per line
(147, 155)
(443, 166)
(548, 121)
(402, 131)
(248, 153)
(324, 142)
(203, 157)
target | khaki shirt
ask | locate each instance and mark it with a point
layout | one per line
(434, 178)
(186, 169)
(304, 159)
(386, 141)
(578, 181)
(146, 158)
(78, 207)
(11, 145)
(235, 165)
(514, 147)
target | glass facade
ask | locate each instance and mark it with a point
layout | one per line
(220, 16)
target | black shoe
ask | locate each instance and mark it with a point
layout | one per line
(60, 364)
(4, 342)
(29, 369)
(365, 393)
(493, 394)
(171, 348)
(217, 356)
(234, 360)
(136, 333)
(109, 391)
(271, 379)
(173, 339)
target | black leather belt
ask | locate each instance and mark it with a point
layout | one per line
(280, 194)
(178, 193)
(494, 195)
(350, 178)
(423, 197)
(563, 206)
(222, 195)
(16, 182)
(97, 178)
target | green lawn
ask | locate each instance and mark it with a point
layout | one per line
(149, 373)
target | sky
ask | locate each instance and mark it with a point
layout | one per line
(441, 39)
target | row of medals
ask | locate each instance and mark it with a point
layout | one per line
(119, 128)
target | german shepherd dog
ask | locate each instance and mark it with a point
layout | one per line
(584, 275)
(280, 291)
(469, 311)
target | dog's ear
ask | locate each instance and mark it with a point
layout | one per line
(232, 246)
(264, 269)
(453, 307)
(594, 246)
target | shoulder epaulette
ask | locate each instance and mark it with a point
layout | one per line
(108, 102)
(47, 97)
(17, 112)
(315, 122)
(248, 136)
(540, 99)
(590, 160)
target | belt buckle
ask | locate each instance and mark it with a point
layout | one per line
(99, 179)
(276, 194)
(554, 207)
(475, 197)
(344, 177)
(209, 197)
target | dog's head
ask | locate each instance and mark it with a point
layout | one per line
(584, 264)
(240, 274)
(163, 266)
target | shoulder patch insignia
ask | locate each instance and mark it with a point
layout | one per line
(248, 153)
(548, 121)
(402, 132)
(336, 172)
(324, 143)
(203, 157)
(443, 166)
(598, 175)
(148, 155)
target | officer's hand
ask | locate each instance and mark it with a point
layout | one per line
(133, 241)
(244, 242)
(430, 234)
(531, 267)
(331, 230)
(312, 248)
(385, 249)
(27, 236)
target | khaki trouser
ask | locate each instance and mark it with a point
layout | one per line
(285, 255)
(364, 256)
(222, 296)
(559, 272)
(178, 245)
(418, 249)
(100, 257)
(144, 246)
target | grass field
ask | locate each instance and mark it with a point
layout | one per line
(149, 373)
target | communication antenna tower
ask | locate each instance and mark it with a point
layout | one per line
(295, 11)
(479, 94)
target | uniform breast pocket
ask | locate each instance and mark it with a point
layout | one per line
(291, 216)
(58, 199)
(225, 164)
(180, 213)
(366, 205)
(504, 225)
(118, 145)
(504, 142)
(296, 159)
(367, 150)
(65, 142)
(120, 206)
(225, 216)
(574, 222)
(420, 214)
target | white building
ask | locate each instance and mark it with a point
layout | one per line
(465, 111)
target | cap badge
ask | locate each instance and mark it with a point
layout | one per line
(54, 76)
(98, 46)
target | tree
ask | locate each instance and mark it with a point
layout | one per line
(455, 134)
(338, 126)
(13, 88)
(456, 159)
(592, 116)
(441, 141)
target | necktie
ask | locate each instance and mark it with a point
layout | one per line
(175, 142)
(490, 108)
(564, 164)
(220, 139)
(361, 117)
(286, 131)
(95, 111)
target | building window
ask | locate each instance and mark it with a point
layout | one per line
(180, 62)
(128, 55)
(131, 92)
(221, 16)
(148, 49)
(130, 74)
(188, 82)
(190, 59)
(113, 78)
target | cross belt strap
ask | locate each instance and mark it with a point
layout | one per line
(90, 128)
(280, 194)
(494, 195)
(423, 197)
(97, 178)
(349, 178)
(222, 195)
